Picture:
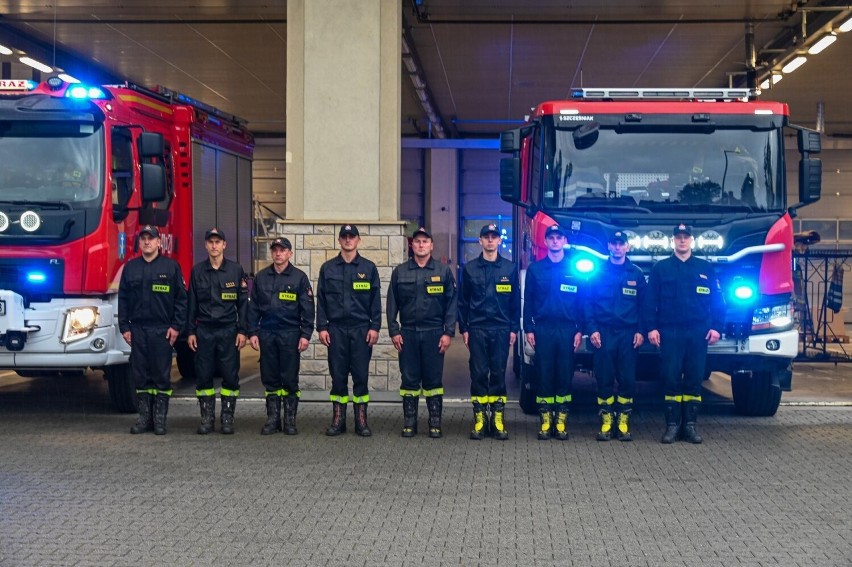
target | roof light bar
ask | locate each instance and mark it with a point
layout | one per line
(669, 94)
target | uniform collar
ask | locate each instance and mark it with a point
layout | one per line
(286, 270)
(210, 267)
(355, 261)
(484, 262)
(430, 265)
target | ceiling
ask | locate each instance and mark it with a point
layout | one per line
(484, 63)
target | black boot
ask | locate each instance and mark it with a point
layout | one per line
(545, 430)
(690, 435)
(291, 406)
(145, 421)
(208, 414)
(672, 412)
(229, 405)
(409, 414)
(161, 410)
(497, 423)
(361, 427)
(435, 405)
(273, 415)
(338, 420)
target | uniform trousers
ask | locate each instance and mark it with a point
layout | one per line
(683, 359)
(280, 360)
(217, 350)
(348, 354)
(554, 360)
(420, 362)
(151, 357)
(615, 360)
(489, 351)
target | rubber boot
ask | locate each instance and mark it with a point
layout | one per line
(672, 413)
(623, 426)
(498, 426)
(435, 405)
(690, 435)
(545, 430)
(409, 415)
(605, 434)
(361, 427)
(161, 410)
(291, 407)
(208, 414)
(273, 415)
(338, 420)
(562, 422)
(145, 421)
(229, 404)
(479, 422)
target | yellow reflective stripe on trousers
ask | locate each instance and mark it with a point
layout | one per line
(205, 393)
(339, 399)
(361, 399)
(624, 401)
(691, 398)
(606, 402)
(540, 400)
(433, 392)
(231, 393)
(272, 393)
(563, 399)
(676, 399)
(495, 399)
(479, 399)
(165, 392)
(409, 393)
(282, 392)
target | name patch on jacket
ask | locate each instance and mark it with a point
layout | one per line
(287, 296)
(568, 288)
(628, 291)
(504, 288)
(229, 296)
(434, 289)
(702, 290)
(160, 288)
(360, 286)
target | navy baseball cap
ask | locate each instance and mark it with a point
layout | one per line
(618, 236)
(348, 229)
(422, 231)
(150, 229)
(682, 229)
(554, 229)
(490, 229)
(282, 242)
(214, 232)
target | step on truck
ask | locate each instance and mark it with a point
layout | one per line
(644, 160)
(81, 169)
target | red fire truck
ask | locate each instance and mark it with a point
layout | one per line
(644, 160)
(81, 168)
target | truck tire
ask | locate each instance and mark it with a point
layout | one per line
(185, 358)
(526, 384)
(754, 393)
(121, 390)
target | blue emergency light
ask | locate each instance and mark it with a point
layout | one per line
(742, 291)
(82, 92)
(36, 277)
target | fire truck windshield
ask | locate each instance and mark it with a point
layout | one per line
(723, 170)
(51, 163)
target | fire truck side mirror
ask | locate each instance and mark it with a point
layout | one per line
(810, 180)
(809, 141)
(153, 182)
(151, 145)
(510, 180)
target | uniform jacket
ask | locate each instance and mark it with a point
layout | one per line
(282, 301)
(552, 294)
(422, 298)
(615, 299)
(682, 294)
(490, 296)
(152, 293)
(349, 294)
(217, 297)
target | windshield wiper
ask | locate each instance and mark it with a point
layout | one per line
(43, 204)
(705, 207)
(594, 205)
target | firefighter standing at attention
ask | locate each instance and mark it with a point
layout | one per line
(684, 312)
(489, 320)
(218, 301)
(615, 332)
(422, 294)
(553, 320)
(151, 313)
(349, 316)
(281, 322)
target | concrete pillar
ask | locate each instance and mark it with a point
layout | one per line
(343, 109)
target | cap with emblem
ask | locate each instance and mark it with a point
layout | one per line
(150, 230)
(348, 230)
(282, 242)
(214, 232)
(554, 229)
(682, 229)
(422, 231)
(618, 236)
(489, 229)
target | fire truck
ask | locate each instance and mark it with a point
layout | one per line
(645, 160)
(81, 168)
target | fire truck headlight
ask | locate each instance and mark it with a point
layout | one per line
(79, 323)
(633, 239)
(776, 317)
(710, 241)
(656, 241)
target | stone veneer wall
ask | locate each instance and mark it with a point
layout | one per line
(383, 243)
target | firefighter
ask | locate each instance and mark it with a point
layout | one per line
(349, 316)
(612, 315)
(489, 320)
(151, 313)
(684, 311)
(553, 321)
(218, 301)
(422, 294)
(281, 322)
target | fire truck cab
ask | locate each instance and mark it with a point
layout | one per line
(644, 160)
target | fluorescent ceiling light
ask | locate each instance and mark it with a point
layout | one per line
(794, 64)
(822, 44)
(846, 26)
(68, 78)
(36, 64)
(775, 79)
(6, 51)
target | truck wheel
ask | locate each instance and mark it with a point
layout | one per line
(185, 360)
(754, 394)
(526, 383)
(121, 390)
